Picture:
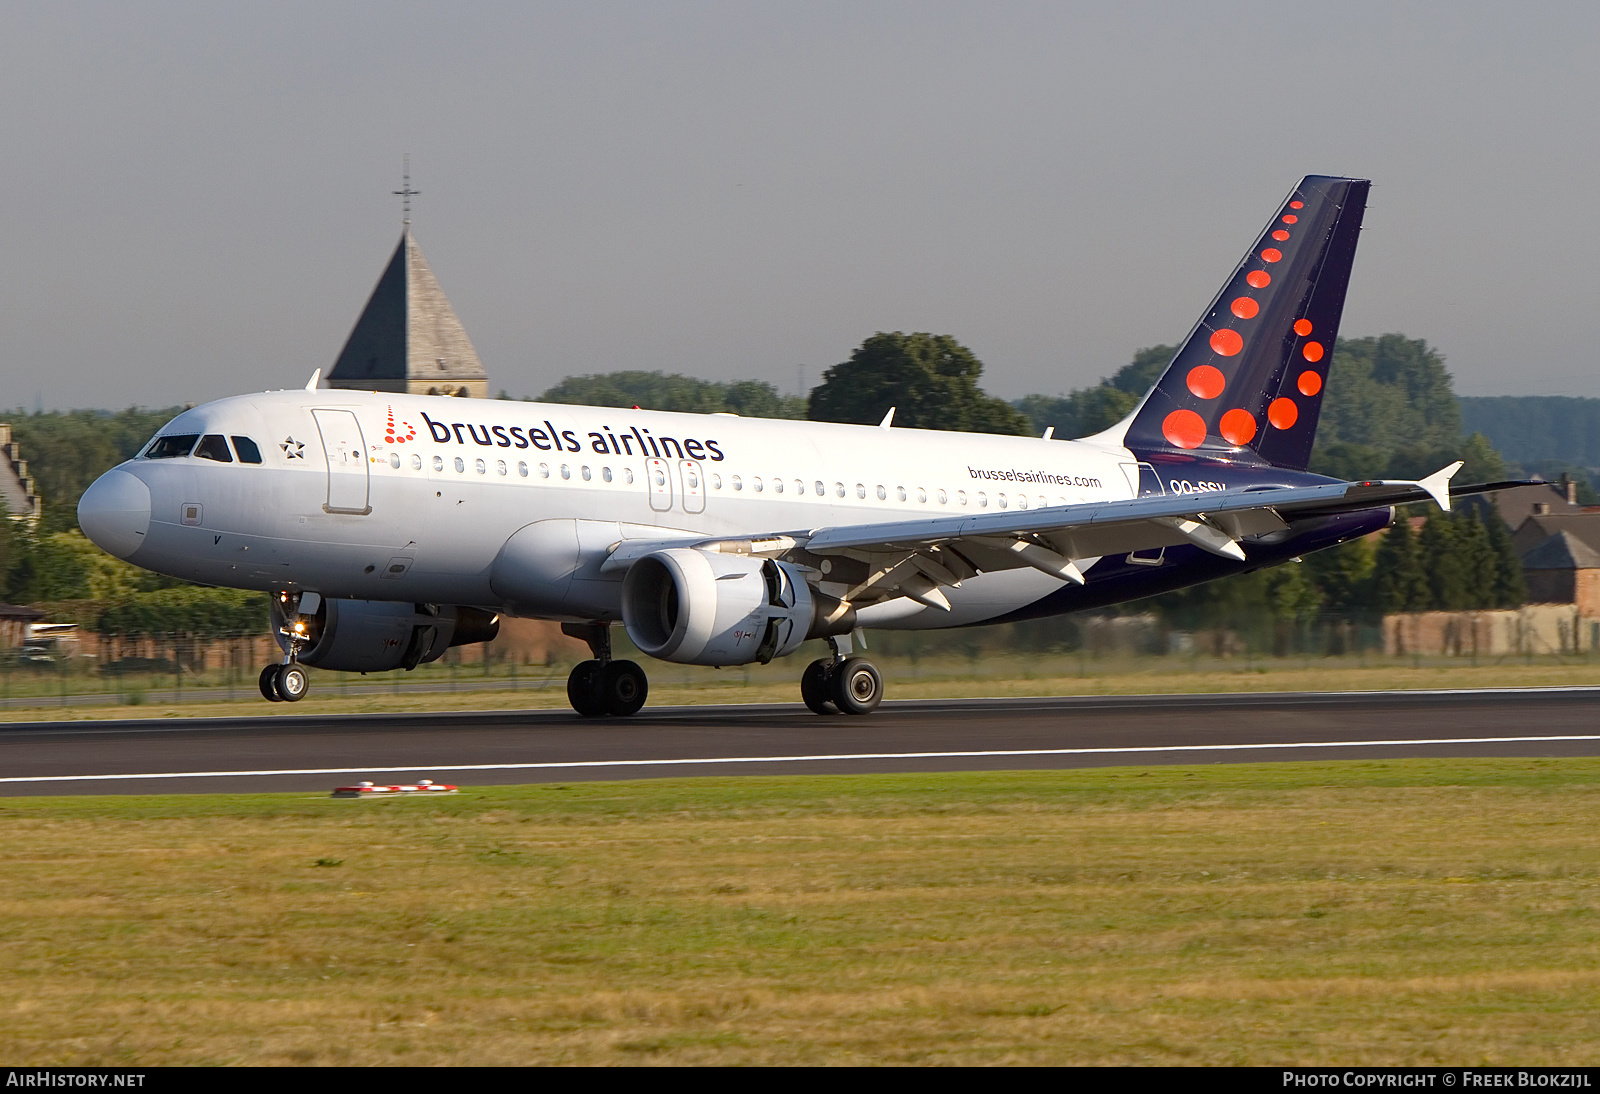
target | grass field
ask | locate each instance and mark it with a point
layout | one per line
(1391, 912)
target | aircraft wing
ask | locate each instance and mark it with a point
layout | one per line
(916, 558)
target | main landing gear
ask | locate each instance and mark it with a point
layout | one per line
(604, 686)
(841, 683)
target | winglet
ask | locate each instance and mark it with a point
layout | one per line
(887, 418)
(1438, 484)
(316, 378)
(1049, 431)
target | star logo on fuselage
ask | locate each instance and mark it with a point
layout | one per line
(292, 448)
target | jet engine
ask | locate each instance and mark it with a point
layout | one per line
(378, 635)
(703, 608)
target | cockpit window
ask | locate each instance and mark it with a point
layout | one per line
(248, 452)
(213, 447)
(165, 448)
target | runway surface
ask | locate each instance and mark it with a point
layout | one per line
(497, 747)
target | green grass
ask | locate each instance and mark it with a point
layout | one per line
(1395, 912)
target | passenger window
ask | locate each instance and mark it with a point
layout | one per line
(777, 486)
(394, 459)
(821, 490)
(922, 495)
(900, 493)
(213, 447)
(416, 461)
(165, 448)
(248, 452)
(755, 483)
(861, 491)
(522, 468)
(461, 465)
(605, 473)
(438, 463)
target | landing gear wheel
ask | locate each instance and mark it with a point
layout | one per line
(585, 689)
(269, 684)
(292, 683)
(855, 686)
(624, 687)
(814, 687)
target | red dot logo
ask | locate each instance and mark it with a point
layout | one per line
(1206, 381)
(1283, 413)
(1184, 429)
(1297, 205)
(1280, 235)
(1271, 254)
(1227, 342)
(1237, 427)
(1290, 218)
(1244, 308)
(1310, 383)
(1258, 279)
(1312, 352)
(1302, 327)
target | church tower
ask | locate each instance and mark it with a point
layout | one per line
(408, 337)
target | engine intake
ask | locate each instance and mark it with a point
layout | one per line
(701, 608)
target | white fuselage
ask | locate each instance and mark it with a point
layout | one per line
(411, 498)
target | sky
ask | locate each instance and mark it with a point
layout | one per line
(197, 197)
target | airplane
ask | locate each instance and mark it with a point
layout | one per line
(390, 527)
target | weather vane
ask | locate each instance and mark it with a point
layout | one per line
(406, 193)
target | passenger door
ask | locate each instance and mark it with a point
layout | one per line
(346, 452)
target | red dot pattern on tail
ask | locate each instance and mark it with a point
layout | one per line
(1237, 427)
(1184, 429)
(1283, 413)
(1206, 381)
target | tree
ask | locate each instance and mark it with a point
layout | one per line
(668, 391)
(66, 451)
(1400, 584)
(1510, 586)
(930, 379)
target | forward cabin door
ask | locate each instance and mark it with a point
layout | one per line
(347, 461)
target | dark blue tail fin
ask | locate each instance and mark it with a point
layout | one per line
(1248, 382)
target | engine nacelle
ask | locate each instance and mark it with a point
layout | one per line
(703, 608)
(378, 635)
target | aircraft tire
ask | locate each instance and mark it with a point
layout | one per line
(269, 684)
(584, 689)
(292, 683)
(814, 687)
(626, 687)
(855, 686)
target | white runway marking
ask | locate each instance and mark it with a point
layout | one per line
(1143, 750)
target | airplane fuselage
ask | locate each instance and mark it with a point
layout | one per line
(413, 498)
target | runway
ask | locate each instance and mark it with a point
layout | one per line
(496, 747)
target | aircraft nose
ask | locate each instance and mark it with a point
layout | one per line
(115, 512)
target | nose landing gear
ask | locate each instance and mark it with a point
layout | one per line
(604, 686)
(284, 683)
(288, 682)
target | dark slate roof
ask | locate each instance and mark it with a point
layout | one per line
(17, 611)
(1535, 530)
(1562, 551)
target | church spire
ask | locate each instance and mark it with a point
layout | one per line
(408, 337)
